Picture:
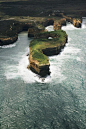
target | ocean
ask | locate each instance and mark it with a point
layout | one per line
(58, 102)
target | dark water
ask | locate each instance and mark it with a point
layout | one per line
(57, 103)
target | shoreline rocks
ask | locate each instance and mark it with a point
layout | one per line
(58, 24)
(8, 40)
(33, 31)
(10, 28)
(76, 22)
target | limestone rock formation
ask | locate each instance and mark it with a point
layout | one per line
(9, 30)
(34, 30)
(76, 22)
(41, 47)
(58, 24)
(36, 67)
(62, 22)
(8, 40)
(47, 22)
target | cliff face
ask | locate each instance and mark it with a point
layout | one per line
(47, 22)
(76, 22)
(9, 30)
(58, 24)
(8, 40)
(35, 67)
(33, 31)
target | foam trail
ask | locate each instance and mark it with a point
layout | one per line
(83, 22)
(69, 26)
(69, 39)
(8, 46)
(24, 73)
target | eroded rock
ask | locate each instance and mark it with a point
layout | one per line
(33, 31)
(76, 22)
(58, 24)
(41, 47)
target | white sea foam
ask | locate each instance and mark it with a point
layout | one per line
(27, 75)
(8, 46)
(69, 39)
(57, 62)
(83, 22)
(50, 28)
(55, 68)
(21, 71)
(69, 26)
(71, 50)
(11, 72)
(78, 59)
(24, 73)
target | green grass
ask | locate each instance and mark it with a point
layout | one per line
(37, 45)
(40, 57)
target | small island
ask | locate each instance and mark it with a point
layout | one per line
(45, 44)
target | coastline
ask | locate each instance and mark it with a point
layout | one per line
(37, 30)
(36, 25)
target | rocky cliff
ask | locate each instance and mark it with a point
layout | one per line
(8, 40)
(41, 47)
(58, 24)
(9, 30)
(76, 22)
(36, 67)
(33, 31)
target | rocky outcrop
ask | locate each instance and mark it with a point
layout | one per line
(41, 47)
(45, 35)
(58, 24)
(9, 30)
(8, 40)
(48, 22)
(76, 22)
(33, 31)
(40, 69)
(62, 22)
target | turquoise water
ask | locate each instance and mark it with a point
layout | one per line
(57, 103)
